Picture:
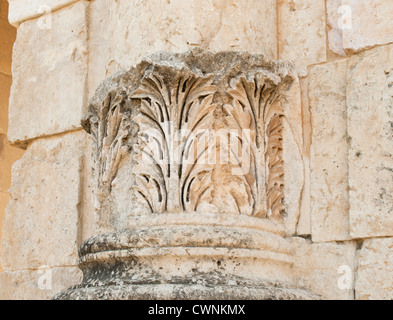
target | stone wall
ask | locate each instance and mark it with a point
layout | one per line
(343, 54)
(8, 153)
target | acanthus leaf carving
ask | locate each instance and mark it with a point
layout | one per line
(166, 118)
(111, 129)
(255, 107)
(171, 118)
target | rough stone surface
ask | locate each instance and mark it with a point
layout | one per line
(39, 284)
(202, 257)
(48, 94)
(139, 28)
(202, 92)
(292, 155)
(321, 164)
(375, 269)
(371, 25)
(99, 49)
(8, 155)
(230, 220)
(321, 266)
(302, 35)
(43, 210)
(22, 10)
(304, 223)
(335, 19)
(370, 130)
(329, 152)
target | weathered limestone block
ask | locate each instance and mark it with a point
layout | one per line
(302, 35)
(371, 24)
(329, 152)
(375, 268)
(358, 25)
(39, 284)
(99, 49)
(48, 90)
(370, 130)
(192, 156)
(43, 210)
(328, 269)
(8, 155)
(22, 10)
(139, 28)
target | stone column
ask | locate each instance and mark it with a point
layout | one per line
(189, 168)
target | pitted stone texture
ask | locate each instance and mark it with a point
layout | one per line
(262, 291)
(39, 284)
(329, 152)
(370, 130)
(375, 268)
(138, 28)
(43, 209)
(302, 35)
(321, 267)
(48, 93)
(199, 256)
(371, 25)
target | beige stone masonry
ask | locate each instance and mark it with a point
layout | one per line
(352, 146)
(304, 223)
(137, 29)
(356, 25)
(302, 35)
(41, 284)
(22, 10)
(327, 268)
(329, 152)
(375, 268)
(48, 91)
(370, 131)
(44, 205)
(335, 33)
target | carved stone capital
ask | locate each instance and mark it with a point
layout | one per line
(190, 180)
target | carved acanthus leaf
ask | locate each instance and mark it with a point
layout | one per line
(254, 110)
(110, 126)
(172, 116)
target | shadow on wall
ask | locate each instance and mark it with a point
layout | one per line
(8, 154)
